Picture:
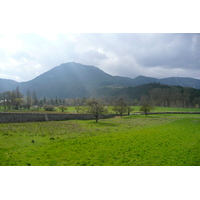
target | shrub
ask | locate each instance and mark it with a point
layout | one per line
(62, 108)
(49, 107)
(35, 108)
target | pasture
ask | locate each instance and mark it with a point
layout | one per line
(71, 109)
(136, 140)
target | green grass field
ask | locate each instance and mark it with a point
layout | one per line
(155, 140)
(71, 109)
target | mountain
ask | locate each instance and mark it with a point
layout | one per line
(7, 85)
(184, 82)
(70, 80)
(173, 81)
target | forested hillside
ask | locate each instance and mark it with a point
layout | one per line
(155, 94)
(74, 80)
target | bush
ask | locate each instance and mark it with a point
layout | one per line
(35, 108)
(62, 108)
(49, 107)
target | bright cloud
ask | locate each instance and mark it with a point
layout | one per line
(25, 56)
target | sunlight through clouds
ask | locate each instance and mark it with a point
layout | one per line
(130, 55)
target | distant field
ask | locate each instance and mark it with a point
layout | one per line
(137, 108)
(71, 109)
(160, 140)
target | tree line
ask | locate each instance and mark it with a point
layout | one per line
(15, 100)
(153, 94)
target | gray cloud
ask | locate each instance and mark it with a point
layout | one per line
(25, 56)
(171, 51)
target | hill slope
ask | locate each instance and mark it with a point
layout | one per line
(156, 93)
(70, 80)
(7, 85)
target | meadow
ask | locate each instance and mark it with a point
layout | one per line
(71, 109)
(136, 140)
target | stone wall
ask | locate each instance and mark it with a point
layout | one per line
(173, 112)
(170, 112)
(8, 117)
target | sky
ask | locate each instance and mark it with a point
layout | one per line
(124, 38)
(23, 56)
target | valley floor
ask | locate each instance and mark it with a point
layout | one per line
(155, 140)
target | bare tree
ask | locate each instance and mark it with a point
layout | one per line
(197, 106)
(62, 108)
(120, 106)
(78, 109)
(129, 109)
(95, 107)
(145, 108)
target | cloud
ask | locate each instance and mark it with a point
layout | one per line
(94, 57)
(158, 55)
(171, 51)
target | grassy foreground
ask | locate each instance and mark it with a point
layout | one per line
(155, 140)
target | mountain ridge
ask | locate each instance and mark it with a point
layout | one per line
(70, 80)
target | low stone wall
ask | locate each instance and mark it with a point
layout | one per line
(171, 112)
(8, 117)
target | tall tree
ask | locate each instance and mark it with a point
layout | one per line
(8, 99)
(4, 100)
(35, 99)
(18, 94)
(28, 99)
(56, 101)
(13, 97)
(18, 103)
(16, 99)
